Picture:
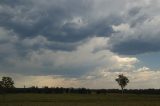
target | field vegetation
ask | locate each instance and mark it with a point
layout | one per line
(79, 100)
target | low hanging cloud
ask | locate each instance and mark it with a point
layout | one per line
(44, 60)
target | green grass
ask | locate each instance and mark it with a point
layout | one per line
(79, 100)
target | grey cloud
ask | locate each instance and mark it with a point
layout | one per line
(62, 26)
(133, 47)
(134, 11)
(143, 33)
(47, 18)
(56, 21)
(143, 38)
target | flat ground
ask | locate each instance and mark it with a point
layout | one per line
(79, 100)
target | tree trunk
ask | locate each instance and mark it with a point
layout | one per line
(122, 90)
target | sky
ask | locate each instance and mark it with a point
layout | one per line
(80, 43)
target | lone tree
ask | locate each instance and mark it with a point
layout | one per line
(7, 82)
(122, 81)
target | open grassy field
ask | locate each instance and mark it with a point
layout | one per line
(79, 100)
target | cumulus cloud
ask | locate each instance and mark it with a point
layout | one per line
(78, 62)
(139, 33)
(58, 20)
(128, 25)
(139, 39)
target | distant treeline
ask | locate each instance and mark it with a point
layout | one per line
(7, 86)
(61, 90)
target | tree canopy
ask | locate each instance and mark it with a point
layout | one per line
(7, 82)
(122, 81)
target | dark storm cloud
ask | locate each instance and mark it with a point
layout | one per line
(134, 11)
(142, 36)
(68, 22)
(133, 47)
(48, 36)
(64, 24)
(52, 20)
